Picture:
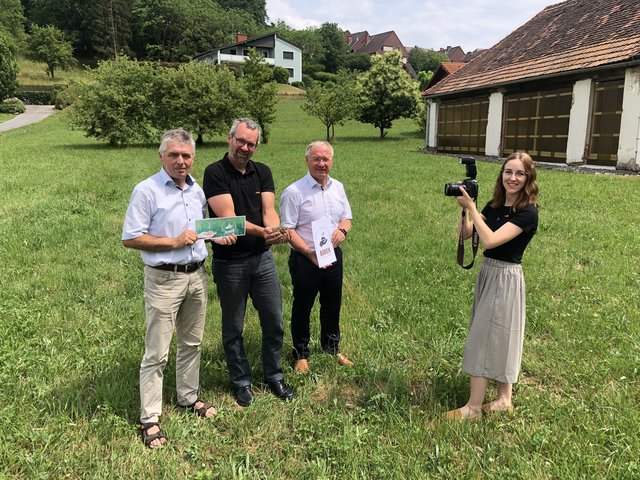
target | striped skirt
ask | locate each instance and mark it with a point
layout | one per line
(496, 332)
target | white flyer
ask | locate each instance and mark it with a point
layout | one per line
(322, 230)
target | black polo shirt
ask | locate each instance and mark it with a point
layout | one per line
(246, 190)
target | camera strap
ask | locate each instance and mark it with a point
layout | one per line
(475, 241)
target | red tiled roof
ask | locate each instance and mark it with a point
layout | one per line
(569, 36)
(451, 67)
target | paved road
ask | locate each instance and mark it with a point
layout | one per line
(32, 114)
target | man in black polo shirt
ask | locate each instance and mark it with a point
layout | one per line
(236, 185)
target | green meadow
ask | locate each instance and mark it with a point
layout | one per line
(72, 323)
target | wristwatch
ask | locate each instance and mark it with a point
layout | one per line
(344, 232)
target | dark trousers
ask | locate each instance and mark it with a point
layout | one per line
(309, 280)
(236, 280)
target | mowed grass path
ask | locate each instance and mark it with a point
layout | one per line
(72, 322)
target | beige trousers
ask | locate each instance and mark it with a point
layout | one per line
(173, 301)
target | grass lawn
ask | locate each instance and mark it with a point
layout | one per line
(4, 117)
(34, 73)
(72, 317)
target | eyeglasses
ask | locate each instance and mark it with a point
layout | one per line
(520, 174)
(317, 160)
(241, 142)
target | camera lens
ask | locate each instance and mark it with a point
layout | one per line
(452, 190)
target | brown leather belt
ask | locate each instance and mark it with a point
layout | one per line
(187, 268)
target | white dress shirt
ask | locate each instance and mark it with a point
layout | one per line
(306, 200)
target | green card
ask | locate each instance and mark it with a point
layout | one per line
(220, 227)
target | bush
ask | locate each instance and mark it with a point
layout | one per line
(298, 85)
(325, 77)
(69, 96)
(39, 94)
(281, 75)
(12, 105)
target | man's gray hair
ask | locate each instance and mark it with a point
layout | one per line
(315, 144)
(251, 125)
(179, 135)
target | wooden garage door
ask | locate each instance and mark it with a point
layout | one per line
(462, 125)
(538, 123)
(605, 122)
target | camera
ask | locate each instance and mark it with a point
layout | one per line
(469, 184)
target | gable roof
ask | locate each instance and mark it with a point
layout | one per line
(362, 42)
(443, 71)
(355, 41)
(566, 37)
(267, 40)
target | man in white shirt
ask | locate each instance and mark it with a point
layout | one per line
(160, 222)
(313, 197)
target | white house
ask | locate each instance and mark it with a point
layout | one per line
(276, 51)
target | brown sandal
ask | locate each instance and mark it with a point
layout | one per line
(148, 438)
(202, 411)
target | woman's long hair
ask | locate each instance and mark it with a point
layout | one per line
(528, 195)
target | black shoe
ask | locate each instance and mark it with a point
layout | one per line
(244, 396)
(281, 390)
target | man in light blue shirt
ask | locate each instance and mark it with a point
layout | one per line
(160, 222)
(313, 197)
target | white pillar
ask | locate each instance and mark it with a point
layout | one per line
(579, 117)
(494, 124)
(432, 123)
(629, 141)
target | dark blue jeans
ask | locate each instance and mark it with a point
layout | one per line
(255, 276)
(308, 281)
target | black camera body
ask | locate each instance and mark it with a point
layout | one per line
(469, 184)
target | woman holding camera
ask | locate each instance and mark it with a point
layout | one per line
(496, 332)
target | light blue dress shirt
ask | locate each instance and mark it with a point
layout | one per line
(158, 207)
(304, 201)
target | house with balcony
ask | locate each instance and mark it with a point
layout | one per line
(276, 51)
(564, 87)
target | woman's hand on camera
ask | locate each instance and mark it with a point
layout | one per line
(465, 201)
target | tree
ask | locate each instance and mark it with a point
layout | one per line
(261, 92)
(121, 105)
(308, 40)
(12, 23)
(47, 45)
(108, 28)
(360, 62)
(281, 75)
(256, 8)
(332, 103)
(335, 48)
(387, 93)
(425, 60)
(8, 69)
(424, 78)
(178, 30)
(200, 97)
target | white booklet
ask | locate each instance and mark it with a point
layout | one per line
(322, 230)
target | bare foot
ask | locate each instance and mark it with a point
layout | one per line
(497, 406)
(210, 412)
(464, 413)
(152, 436)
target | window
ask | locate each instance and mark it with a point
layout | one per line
(605, 122)
(462, 125)
(245, 53)
(538, 123)
(290, 72)
(287, 55)
(232, 51)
